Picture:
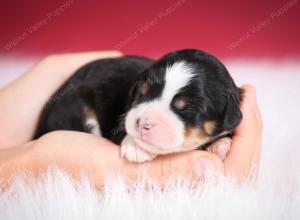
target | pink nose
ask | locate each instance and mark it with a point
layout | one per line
(143, 127)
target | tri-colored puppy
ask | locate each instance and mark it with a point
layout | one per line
(183, 101)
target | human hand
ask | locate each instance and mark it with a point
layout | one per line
(74, 151)
(237, 157)
(241, 154)
(77, 152)
(21, 103)
(242, 162)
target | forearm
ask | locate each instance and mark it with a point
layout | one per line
(35, 158)
(22, 100)
(75, 153)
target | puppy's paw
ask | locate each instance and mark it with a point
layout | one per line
(132, 152)
(220, 147)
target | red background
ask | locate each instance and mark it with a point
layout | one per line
(102, 25)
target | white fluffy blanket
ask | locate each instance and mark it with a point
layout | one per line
(277, 195)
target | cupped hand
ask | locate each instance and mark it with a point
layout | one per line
(79, 151)
(76, 152)
(242, 160)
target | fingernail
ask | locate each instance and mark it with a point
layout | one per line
(204, 164)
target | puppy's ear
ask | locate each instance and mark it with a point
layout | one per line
(232, 113)
(134, 92)
(132, 96)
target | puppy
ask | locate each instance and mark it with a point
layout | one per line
(185, 100)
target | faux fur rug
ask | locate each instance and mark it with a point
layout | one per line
(277, 195)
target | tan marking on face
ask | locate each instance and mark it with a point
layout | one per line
(193, 137)
(209, 126)
(180, 102)
(145, 88)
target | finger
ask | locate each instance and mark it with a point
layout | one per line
(221, 147)
(101, 158)
(246, 139)
(192, 165)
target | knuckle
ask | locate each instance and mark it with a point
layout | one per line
(194, 155)
(216, 161)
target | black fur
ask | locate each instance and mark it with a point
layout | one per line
(102, 85)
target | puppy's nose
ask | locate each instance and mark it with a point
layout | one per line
(143, 126)
(147, 126)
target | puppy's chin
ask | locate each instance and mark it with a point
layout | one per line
(155, 128)
(157, 149)
(194, 139)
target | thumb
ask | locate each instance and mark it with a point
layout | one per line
(246, 140)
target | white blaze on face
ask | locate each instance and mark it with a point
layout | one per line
(153, 125)
(177, 76)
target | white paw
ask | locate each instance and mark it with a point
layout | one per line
(221, 147)
(132, 152)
